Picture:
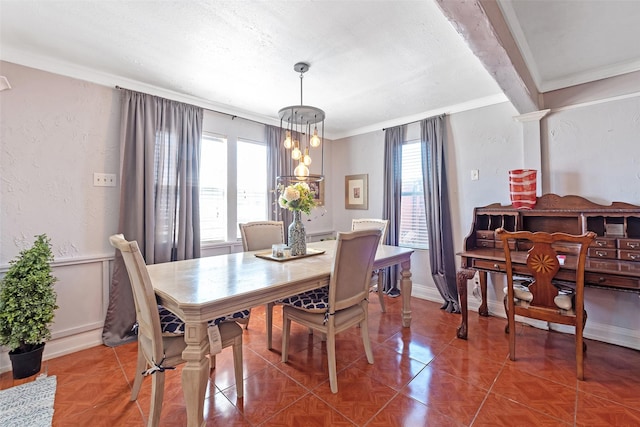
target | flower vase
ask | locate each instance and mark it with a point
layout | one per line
(297, 236)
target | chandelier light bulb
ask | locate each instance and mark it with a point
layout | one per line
(306, 159)
(301, 171)
(315, 139)
(287, 141)
(296, 153)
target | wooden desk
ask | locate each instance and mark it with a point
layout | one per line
(203, 289)
(613, 261)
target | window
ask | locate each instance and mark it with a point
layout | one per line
(233, 186)
(252, 182)
(413, 218)
(213, 189)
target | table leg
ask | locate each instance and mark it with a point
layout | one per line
(405, 291)
(461, 280)
(195, 371)
(483, 310)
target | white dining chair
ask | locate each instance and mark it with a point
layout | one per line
(377, 279)
(341, 305)
(161, 333)
(259, 235)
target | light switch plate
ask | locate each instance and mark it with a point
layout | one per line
(475, 174)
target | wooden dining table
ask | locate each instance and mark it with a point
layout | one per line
(202, 289)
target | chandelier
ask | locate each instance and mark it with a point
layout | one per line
(299, 125)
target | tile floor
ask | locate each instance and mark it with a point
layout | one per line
(422, 376)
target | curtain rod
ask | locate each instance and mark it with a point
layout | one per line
(233, 116)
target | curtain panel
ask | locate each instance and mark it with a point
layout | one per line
(160, 145)
(436, 194)
(392, 186)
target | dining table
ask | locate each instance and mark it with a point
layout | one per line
(203, 289)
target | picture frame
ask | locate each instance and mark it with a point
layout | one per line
(318, 190)
(356, 192)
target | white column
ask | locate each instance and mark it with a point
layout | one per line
(531, 143)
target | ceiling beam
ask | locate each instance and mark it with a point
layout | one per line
(483, 27)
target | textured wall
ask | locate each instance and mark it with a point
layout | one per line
(56, 132)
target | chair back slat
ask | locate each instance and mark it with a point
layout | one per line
(352, 266)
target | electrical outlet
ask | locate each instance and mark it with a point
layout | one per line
(104, 179)
(475, 174)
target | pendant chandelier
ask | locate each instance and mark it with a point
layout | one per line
(299, 126)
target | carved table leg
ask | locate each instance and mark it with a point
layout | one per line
(483, 310)
(461, 280)
(405, 291)
(195, 371)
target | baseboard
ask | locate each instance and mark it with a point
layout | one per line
(623, 337)
(60, 347)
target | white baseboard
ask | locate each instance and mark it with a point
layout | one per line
(615, 335)
(61, 346)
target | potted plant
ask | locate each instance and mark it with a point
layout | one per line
(27, 305)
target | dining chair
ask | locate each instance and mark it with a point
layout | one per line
(377, 279)
(341, 305)
(545, 297)
(259, 235)
(161, 333)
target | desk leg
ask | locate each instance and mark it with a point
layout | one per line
(461, 280)
(195, 372)
(405, 291)
(483, 310)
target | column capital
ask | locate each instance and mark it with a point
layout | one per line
(532, 116)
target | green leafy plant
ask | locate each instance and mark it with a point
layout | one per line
(27, 298)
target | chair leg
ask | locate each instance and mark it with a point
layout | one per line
(286, 327)
(157, 394)
(137, 381)
(237, 365)
(383, 308)
(331, 358)
(269, 325)
(364, 330)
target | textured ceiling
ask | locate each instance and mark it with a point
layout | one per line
(373, 63)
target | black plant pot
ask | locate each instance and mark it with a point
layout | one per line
(26, 364)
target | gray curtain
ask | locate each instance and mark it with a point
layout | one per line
(393, 139)
(278, 163)
(436, 194)
(159, 195)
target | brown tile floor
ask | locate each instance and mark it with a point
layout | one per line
(422, 376)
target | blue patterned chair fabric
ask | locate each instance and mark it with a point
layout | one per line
(171, 324)
(315, 301)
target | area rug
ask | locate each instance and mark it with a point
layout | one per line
(29, 404)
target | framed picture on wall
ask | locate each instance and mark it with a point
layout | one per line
(356, 192)
(318, 192)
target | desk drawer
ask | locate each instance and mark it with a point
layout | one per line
(485, 234)
(630, 255)
(604, 242)
(485, 243)
(612, 281)
(482, 264)
(603, 253)
(629, 244)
